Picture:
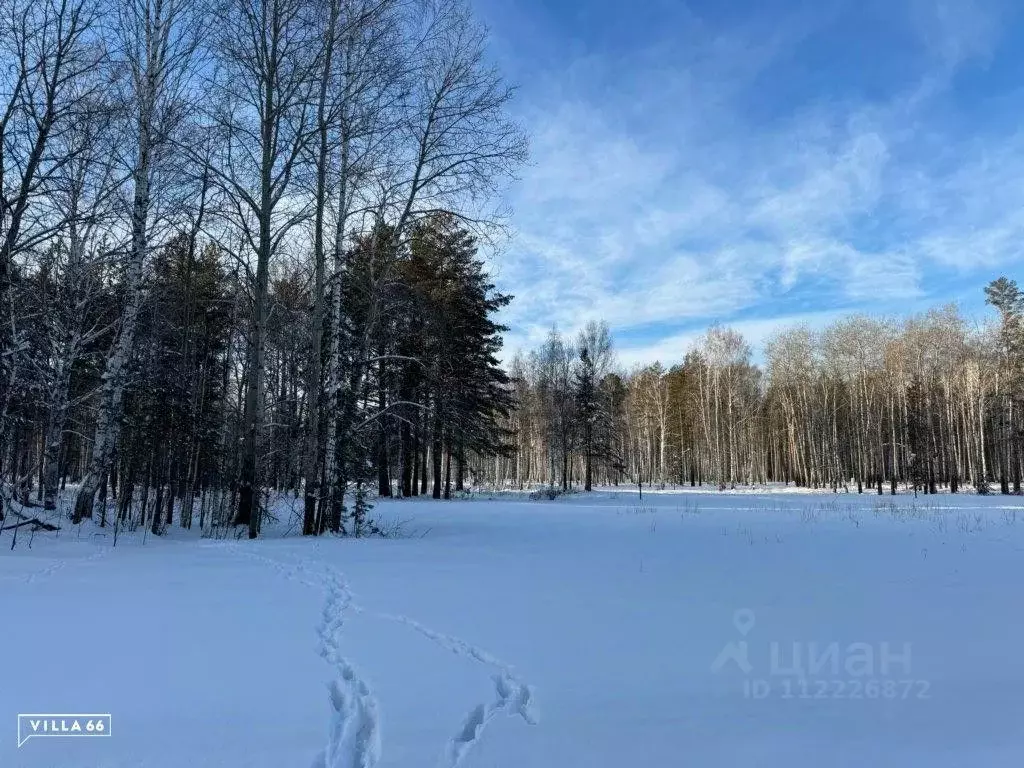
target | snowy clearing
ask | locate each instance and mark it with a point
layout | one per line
(595, 630)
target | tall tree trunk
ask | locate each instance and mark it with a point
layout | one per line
(108, 418)
(460, 467)
(423, 457)
(448, 471)
(408, 458)
(435, 449)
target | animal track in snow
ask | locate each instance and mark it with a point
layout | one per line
(355, 724)
(513, 698)
(42, 573)
(354, 738)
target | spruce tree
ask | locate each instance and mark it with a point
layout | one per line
(1006, 296)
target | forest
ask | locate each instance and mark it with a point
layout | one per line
(927, 402)
(241, 255)
(238, 255)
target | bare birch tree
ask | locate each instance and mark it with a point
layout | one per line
(85, 195)
(268, 56)
(49, 48)
(157, 45)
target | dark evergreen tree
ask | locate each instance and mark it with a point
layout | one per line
(1006, 296)
(466, 392)
(586, 400)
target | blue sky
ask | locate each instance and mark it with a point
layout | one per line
(758, 163)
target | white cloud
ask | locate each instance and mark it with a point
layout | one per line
(697, 216)
(958, 30)
(883, 277)
(672, 349)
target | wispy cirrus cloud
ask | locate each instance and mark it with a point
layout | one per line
(682, 186)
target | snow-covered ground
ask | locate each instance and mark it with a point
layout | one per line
(591, 631)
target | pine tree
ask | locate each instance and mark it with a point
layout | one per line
(586, 402)
(1006, 297)
(469, 393)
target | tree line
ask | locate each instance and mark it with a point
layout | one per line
(238, 254)
(930, 402)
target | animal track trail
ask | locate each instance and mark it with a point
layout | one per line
(354, 734)
(513, 698)
(354, 737)
(299, 571)
(59, 565)
(512, 695)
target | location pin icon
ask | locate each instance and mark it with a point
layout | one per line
(743, 620)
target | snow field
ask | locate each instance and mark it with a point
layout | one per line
(536, 634)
